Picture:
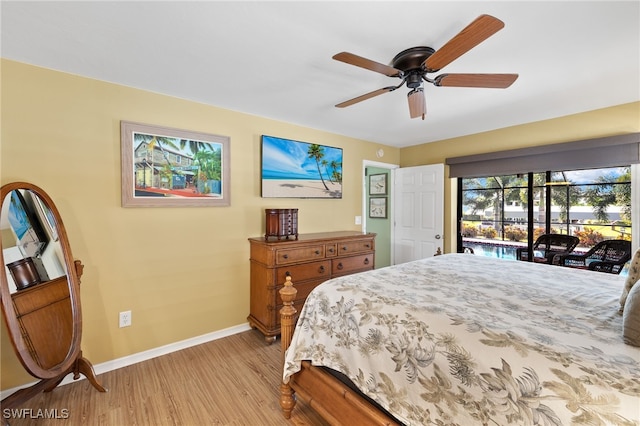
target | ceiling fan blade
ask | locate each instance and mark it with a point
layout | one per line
(359, 61)
(417, 103)
(366, 96)
(495, 81)
(483, 27)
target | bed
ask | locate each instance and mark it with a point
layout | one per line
(460, 339)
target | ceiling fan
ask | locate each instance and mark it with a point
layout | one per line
(412, 66)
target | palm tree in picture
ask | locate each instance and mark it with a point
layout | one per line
(209, 164)
(325, 165)
(316, 152)
(193, 146)
(336, 174)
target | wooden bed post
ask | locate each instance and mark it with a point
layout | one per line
(287, 325)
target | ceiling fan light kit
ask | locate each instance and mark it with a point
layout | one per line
(417, 105)
(412, 65)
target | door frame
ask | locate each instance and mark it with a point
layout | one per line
(365, 206)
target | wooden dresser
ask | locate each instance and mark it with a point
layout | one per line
(46, 320)
(310, 260)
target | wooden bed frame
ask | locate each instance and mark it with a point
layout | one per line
(332, 399)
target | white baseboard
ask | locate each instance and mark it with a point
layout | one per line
(143, 356)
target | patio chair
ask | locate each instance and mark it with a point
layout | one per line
(606, 256)
(547, 246)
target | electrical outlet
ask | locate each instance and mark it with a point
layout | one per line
(125, 319)
(358, 220)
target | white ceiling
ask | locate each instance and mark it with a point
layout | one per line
(273, 59)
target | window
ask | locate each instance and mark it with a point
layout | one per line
(498, 214)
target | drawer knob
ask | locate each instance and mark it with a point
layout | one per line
(366, 260)
(331, 250)
(286, 256)
(344, 247)
(321, 269)
(317, 251)
(340, 266)
(367, 245)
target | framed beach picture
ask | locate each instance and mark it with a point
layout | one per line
(164, 167)
(378, 184)
(30, 236)
(295, 169)
(378, 207)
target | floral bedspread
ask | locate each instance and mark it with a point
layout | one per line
(462, 340)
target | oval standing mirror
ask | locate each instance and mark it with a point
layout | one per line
(40, 290)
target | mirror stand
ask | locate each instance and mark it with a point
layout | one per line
(81, 365)
(40, 293)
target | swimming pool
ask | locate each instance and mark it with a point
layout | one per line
(503, 252)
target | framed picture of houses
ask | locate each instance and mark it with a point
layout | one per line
(165, 167)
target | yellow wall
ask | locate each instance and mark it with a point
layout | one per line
(611, 121)
(183, 272)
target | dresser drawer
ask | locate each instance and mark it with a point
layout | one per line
(349, 247)
(331, 250)
(47, 293)
(301, 254)
(307, 271)
(347, 265)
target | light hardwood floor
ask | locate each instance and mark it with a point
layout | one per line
(230, 381)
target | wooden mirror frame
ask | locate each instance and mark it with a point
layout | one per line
(73, 362)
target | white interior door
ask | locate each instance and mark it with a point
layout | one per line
(418, 208)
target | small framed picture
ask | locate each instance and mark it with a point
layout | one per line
(378, 207)
(378, 184)
(46, 217)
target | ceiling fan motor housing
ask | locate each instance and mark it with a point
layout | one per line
(412, 58)
(410, 62)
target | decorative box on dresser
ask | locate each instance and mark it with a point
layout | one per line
(309, 260)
